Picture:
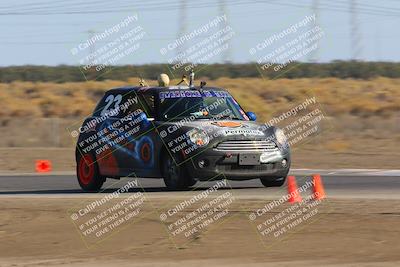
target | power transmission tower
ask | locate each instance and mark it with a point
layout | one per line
(377, 44)
(182, 26)
(313, 56)
(91, 46)
(356, 40)
(226, 54)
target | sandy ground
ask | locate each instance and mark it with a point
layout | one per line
(40, 232)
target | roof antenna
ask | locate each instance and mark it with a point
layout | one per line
(191, 78)
(183, 80)
(142, 82)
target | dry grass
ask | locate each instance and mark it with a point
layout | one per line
(338, 145)
(361, 98)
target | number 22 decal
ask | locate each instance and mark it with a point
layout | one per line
(110, 100)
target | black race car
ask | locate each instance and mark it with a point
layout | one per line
(181, 133)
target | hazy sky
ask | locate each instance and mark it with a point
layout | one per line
(44, 32)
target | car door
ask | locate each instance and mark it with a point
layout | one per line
(137, 149)
(108, 116)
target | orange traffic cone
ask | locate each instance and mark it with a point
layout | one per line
(318, 187)
(43, 166)
(294, 195)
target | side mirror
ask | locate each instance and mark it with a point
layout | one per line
(143, 116)
(252, 116)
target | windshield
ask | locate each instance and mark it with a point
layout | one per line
(217, 105)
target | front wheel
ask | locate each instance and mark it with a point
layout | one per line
(175, 176)
(273, 182)
(88, 174)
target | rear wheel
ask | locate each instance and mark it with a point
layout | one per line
(191, 182)
(88, 174)
(175, 176)
(273, 182)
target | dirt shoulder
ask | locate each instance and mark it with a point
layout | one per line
(36, 232)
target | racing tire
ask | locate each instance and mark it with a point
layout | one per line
(268, 182)
(191, 182)
(88, 174)
(175, 176)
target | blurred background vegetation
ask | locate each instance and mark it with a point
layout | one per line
(336, 69)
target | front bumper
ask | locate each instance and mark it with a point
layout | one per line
(220, 165)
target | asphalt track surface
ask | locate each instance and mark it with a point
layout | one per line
(381, 184)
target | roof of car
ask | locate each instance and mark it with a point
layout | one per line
(177, 87)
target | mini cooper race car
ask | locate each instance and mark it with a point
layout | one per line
(182, 134)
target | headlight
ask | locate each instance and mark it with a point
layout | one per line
(198, 137)
(280, 136)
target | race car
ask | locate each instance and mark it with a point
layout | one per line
(182, 134)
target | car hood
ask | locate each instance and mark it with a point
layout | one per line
(229, 130)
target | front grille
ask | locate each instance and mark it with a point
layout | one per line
(247, 145)
(246, 168)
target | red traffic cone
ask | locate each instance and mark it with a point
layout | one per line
(318, 187)
(43, 165)
(294, 195)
